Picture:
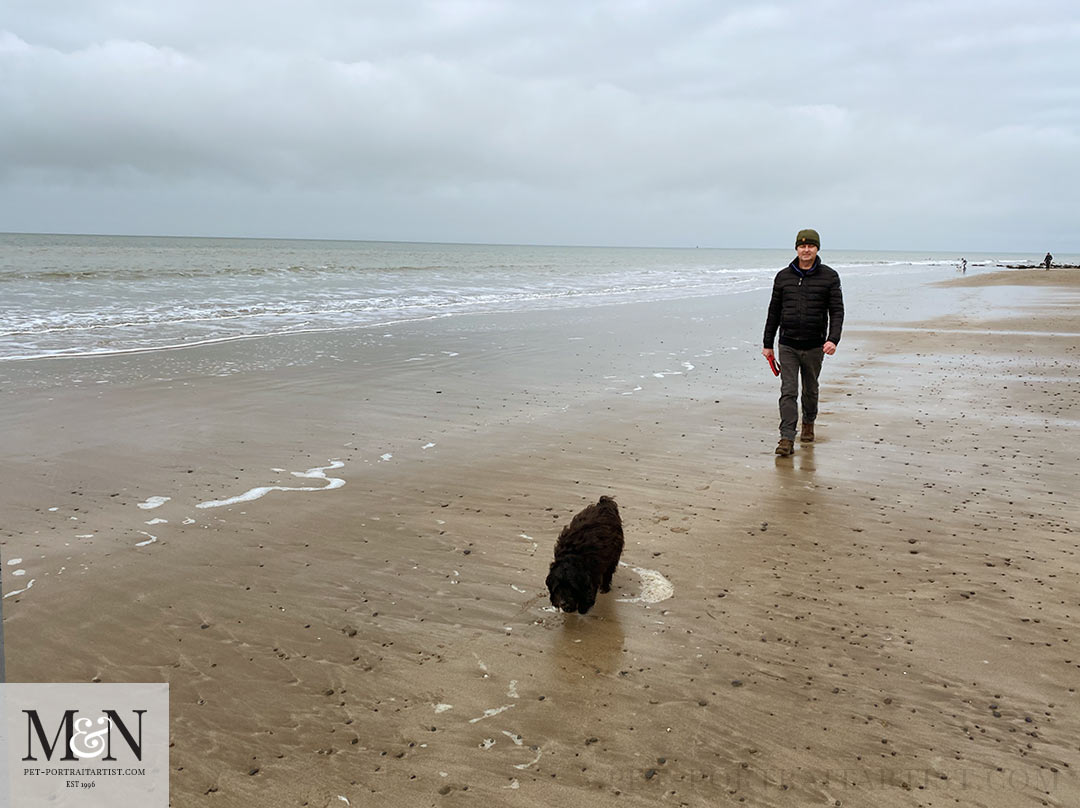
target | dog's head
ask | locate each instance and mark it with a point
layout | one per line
(570, 588)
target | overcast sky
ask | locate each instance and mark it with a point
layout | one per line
(946, 125)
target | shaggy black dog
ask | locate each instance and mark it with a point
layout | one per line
(586, 555)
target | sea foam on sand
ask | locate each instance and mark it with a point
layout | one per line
(318, 472)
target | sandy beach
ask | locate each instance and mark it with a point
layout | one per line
(886, 618)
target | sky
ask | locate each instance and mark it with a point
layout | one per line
(945, 125)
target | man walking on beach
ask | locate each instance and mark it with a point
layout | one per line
(807, 307)
(1047, 260)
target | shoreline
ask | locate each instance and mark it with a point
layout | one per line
(841, 622)
(1020, 276)
(137, 298)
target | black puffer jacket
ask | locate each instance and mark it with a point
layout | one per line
(807, 307)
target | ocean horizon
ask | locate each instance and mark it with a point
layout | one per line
(1032, 255)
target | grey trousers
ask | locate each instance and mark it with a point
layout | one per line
(793, 364)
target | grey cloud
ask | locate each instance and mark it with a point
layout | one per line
(494, 120)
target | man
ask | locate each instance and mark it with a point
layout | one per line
(1047, 260)
(807, 307)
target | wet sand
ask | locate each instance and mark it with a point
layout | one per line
(886, 618)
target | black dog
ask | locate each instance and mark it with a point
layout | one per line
(586, 556)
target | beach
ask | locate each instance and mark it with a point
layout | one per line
(333, 546)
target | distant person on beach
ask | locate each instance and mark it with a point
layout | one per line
(807, 307)
(963, 266)
(1047, 260)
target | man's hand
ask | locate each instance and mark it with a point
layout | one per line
(829, 348)
(768, 352)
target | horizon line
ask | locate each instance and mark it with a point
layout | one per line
(495, 243)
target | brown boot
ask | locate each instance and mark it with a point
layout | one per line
(785, 447)
(807, 432)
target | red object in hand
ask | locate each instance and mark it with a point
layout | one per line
(772, 364)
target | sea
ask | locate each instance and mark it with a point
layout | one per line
(86, 295)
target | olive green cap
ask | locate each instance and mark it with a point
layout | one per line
(808, 237)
